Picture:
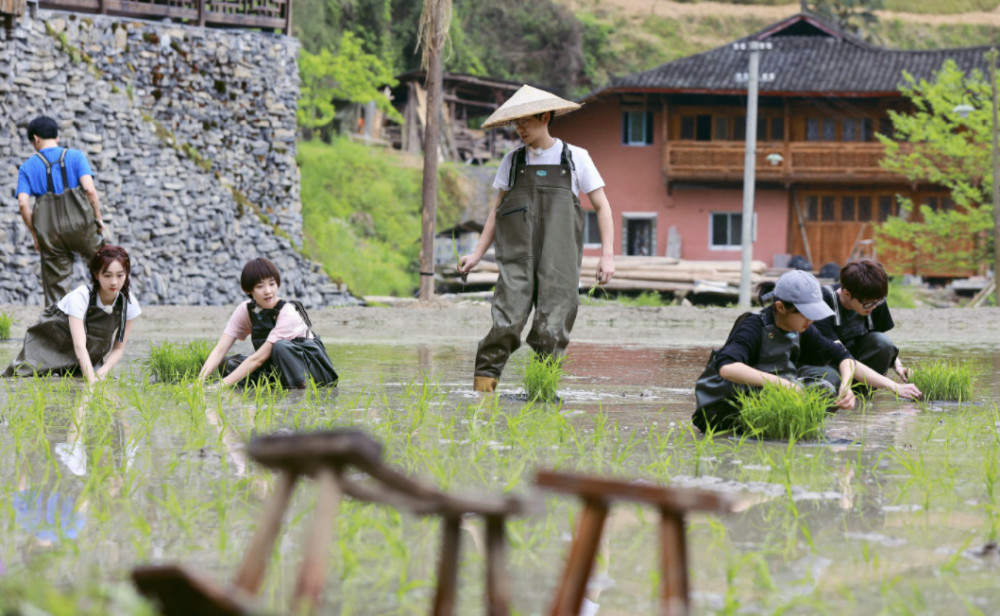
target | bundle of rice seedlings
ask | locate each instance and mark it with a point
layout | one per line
(170, 362)
(541, 376)
(6, 320)
(778, 412)
(944, 380)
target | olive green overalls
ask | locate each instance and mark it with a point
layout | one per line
(538, 244)
(64, 224)
(48, 345)
(779, 350)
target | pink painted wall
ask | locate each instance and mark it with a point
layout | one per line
(635, 184)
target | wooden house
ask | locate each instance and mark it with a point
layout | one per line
(670, 144)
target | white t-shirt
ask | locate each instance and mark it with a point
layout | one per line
(75, 304)
(585, 175)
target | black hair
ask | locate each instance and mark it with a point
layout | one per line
(43, 126)
(256, 270)
(865, 280)
(103, 258)
(768, 287)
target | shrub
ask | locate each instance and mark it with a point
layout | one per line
(170, 362)
(944, 380)
(541, 376)
(778, 412)
(6, 320)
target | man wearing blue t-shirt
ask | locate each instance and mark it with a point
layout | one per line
(63, 222)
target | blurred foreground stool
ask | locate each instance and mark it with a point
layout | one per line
(597, 496)
(325, 456)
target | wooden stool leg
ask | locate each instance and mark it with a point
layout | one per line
(254, 564)
(444, 597)
(673, 565)
(497, 589)
(318, 542)
(573, 585)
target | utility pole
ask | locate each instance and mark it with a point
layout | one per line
(991, 57)
(752, 77)
(434, 24)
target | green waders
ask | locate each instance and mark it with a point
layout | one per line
(539, 244)
(65, 225)
(779, 351)
(48, 345)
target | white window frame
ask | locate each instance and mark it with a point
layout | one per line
(711, 231)
(653, 237)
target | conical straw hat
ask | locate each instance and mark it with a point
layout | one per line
(527, 102)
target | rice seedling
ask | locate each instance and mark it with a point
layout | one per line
(541, 376)
(944, 379)
(6, 321)
(777, 412)
(170, 362)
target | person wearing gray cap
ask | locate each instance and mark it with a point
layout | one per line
(781, 345)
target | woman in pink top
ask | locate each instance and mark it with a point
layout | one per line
(285, 348)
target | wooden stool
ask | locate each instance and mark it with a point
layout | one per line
(324, 456)
(597, 495)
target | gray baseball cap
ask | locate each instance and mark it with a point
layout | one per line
(803, 290)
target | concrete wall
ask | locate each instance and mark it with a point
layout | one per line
(191, 135)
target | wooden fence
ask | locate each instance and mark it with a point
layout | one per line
(274, 15)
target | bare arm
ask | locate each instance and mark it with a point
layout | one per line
(87, 182)
(742, 374)
(864, 374)
(115, 355)
(215, 357)
(249, 364)
(467, 262)
(24, 204)
(606, 226)
(79, 334)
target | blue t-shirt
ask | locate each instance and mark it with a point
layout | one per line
(31, 174)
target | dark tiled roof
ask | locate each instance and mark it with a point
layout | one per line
(808, 57)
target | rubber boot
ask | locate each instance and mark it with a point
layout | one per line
(484, 383)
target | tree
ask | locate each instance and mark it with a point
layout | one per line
(350, 74)
(934, 144)
(855, 16)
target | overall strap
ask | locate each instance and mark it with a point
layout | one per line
(516, 161)
(62, 167)
(566, 158)
(48, 172)
(122, 304)
(836, 304)
(91, 301)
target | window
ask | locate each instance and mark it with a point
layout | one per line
(777, 129)
(696, 127)
(828, 208)
(847, 207)
(721, 128)
(726, 230)
(864, 209)
(591, 232)
(850, 129)
(639, 234)
(812, 129)
(637, 128)
(885, 208)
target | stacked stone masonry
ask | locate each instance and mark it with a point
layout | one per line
(191, 135)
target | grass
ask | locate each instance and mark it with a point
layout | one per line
(541, 376)
(6, 321)
(900, 295)
(777, 412)
(944, 379)
(170, 362)
(652, 299)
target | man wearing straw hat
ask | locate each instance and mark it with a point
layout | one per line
(537, 224)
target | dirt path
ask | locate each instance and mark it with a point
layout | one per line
(467, 322)
(667, 8)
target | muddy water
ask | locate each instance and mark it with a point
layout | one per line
(888, 514)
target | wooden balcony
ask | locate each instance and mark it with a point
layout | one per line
(275, 15)
(802, 161)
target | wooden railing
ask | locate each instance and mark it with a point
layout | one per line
(714, 160)
(273, 15)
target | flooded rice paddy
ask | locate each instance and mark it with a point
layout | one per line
(892, 513)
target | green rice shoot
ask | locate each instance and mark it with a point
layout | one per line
(944, 379)
(6, 321)
(170, 362)
(541, 376)
(777, 412)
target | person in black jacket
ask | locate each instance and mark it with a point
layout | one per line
(861, 317)
(781, 345)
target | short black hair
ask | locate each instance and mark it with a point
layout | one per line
(256, 270)
(43, 126)
(865, 280)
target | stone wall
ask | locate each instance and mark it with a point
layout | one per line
(191, 135)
